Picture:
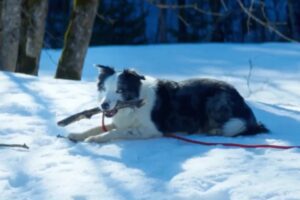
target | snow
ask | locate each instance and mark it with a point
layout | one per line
(160, 168)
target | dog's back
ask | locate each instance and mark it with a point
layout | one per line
(202, 105)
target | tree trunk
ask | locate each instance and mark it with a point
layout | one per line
(77, 38)
(182, 27)
(32, 35)
(1, 29)
(161, 35)
(294, 14)
(10, 33)
(217, 33)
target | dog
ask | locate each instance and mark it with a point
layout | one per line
(206, 106)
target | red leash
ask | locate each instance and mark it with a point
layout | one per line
(103, 127)
(269, 146)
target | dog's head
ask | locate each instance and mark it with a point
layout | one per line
(117, 86)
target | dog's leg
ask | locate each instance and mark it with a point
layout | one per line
(88, 133)
(123, 134)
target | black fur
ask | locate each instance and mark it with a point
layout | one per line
(258, 128)
(199, 105)
(104, 74)
(191, 106)
(129, 84)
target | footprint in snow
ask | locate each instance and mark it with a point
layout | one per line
(19, 179)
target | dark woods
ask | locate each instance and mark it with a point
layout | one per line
(171, 21)
(27, 26)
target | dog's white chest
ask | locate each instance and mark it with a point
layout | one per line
(125, 118)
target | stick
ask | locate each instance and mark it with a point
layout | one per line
(64, 137)
(15, 145)
(87, 114)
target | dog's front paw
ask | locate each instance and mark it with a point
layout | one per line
(91, 139)
(76, 137)
(95, 139)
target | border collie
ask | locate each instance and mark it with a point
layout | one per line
(205, 106)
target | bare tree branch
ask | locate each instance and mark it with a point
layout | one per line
(185, 6)
(265, 24)
(263, 11)
(262, 8)
(249, 18)
(183, 20)
(106, 19)
(224, 5)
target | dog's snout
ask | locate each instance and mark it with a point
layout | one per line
(105, 106)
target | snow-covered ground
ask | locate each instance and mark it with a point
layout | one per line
(158, 168)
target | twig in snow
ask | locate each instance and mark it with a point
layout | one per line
(15, 145)
(249, 77)
(64, 137)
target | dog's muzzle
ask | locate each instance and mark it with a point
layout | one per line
(120, 104)
(110, 113)
(107, 111)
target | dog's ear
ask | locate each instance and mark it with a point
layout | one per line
(105, 69)
(142, 77)
(134, 73)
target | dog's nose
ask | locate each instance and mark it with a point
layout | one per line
(105, 106)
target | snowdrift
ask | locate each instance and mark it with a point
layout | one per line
(160, 168)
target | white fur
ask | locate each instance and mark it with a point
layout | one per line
(233, 127)
(109, 95)
(127, 123)
(139, 120)
(136, 123)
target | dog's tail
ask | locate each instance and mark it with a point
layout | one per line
(257, 128)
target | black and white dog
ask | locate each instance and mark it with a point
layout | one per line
(192, 106)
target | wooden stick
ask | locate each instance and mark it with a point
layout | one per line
(87, 114)
(15, 145)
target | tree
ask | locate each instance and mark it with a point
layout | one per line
(32, 34)
(234, 21)
(57, 23)
(10, 15)
(22, 31)
(216, 35)
(1, 27)
(294, 18)
(161, 34)
(182, 27)
(77, 38)
(119, 22)
(197, 20)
